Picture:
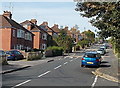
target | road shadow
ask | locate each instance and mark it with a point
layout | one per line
(105, 66)
(104, 62)
(101, 66)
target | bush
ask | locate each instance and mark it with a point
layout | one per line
(3, 60)
(34, 56)
(56, 51)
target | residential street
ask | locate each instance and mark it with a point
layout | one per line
(64, 71)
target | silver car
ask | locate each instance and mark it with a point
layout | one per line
(101, 51)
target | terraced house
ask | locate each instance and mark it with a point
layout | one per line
(13, 35)
(40, 38)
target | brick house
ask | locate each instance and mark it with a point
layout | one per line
(49, 30)
(74, 33)
(40, 38)
(14, 36)
(51, 34)
(56, 29)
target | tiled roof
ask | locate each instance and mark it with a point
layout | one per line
(34, 26)
(56, 29)
(9, 23)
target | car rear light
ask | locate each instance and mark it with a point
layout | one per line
(12, 55)
(83, 59)
(97, 60)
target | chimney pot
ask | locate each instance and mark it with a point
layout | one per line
(7, 14)
(34, 21)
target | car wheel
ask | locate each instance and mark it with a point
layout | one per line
(15, 58)
(82, 65)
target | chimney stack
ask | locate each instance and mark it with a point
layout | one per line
(45, 23)
(7, 14)
(34, 21)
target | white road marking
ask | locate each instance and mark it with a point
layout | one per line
(71, 57)
(58, 67)
(44, 74)
(65, 62)
(65, 57)
(21, 83)
(71, 60)
(94, 82)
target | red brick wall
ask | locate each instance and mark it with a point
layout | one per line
(36, 43)
(6, 38)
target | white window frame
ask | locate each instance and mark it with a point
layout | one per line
(14, 34)
(44, 36)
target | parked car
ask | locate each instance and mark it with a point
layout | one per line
(14, 55)
(103, 48)
(91, 59)
(3, 58)
(101, 51)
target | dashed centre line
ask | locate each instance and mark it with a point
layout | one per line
(65, 62)
(58, 67)
(21, 83)
(44, 74)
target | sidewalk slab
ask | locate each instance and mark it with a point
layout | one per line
(109, 68)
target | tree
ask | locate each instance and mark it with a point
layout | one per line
(89, 35)
(63, 40)
(105, 16)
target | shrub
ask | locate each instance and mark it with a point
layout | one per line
(34, 56)
(56, 51)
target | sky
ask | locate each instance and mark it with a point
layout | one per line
(61, 13)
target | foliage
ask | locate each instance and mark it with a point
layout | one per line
(34, 56)
(105, 16)
(63, 40)
(83, 43)
(89, 35)
(56, 51)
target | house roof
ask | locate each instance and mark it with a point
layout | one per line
(34, 27)
(55, 28)
(47, 27)
(9, 23)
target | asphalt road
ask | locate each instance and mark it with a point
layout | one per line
(62, 72)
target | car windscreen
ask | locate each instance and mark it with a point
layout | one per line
(100, 50)
(2, 53)
(90, 55)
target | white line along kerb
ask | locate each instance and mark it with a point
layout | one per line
(58, 67)
(94, 82)
(21, 83)
(44, 74)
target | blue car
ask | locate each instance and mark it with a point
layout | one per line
(91, 59)
(14, 55)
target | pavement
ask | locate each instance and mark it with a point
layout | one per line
(109, 72)
(110, 69)
(22, 64)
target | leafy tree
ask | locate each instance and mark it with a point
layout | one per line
(105, 16)
(89, 35)
(63, 40)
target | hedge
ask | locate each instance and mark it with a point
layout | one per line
(56, 51)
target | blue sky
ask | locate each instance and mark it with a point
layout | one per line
(61, 13)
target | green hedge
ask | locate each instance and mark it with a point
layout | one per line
(34, 56)
(3, 60)
(56, 51)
